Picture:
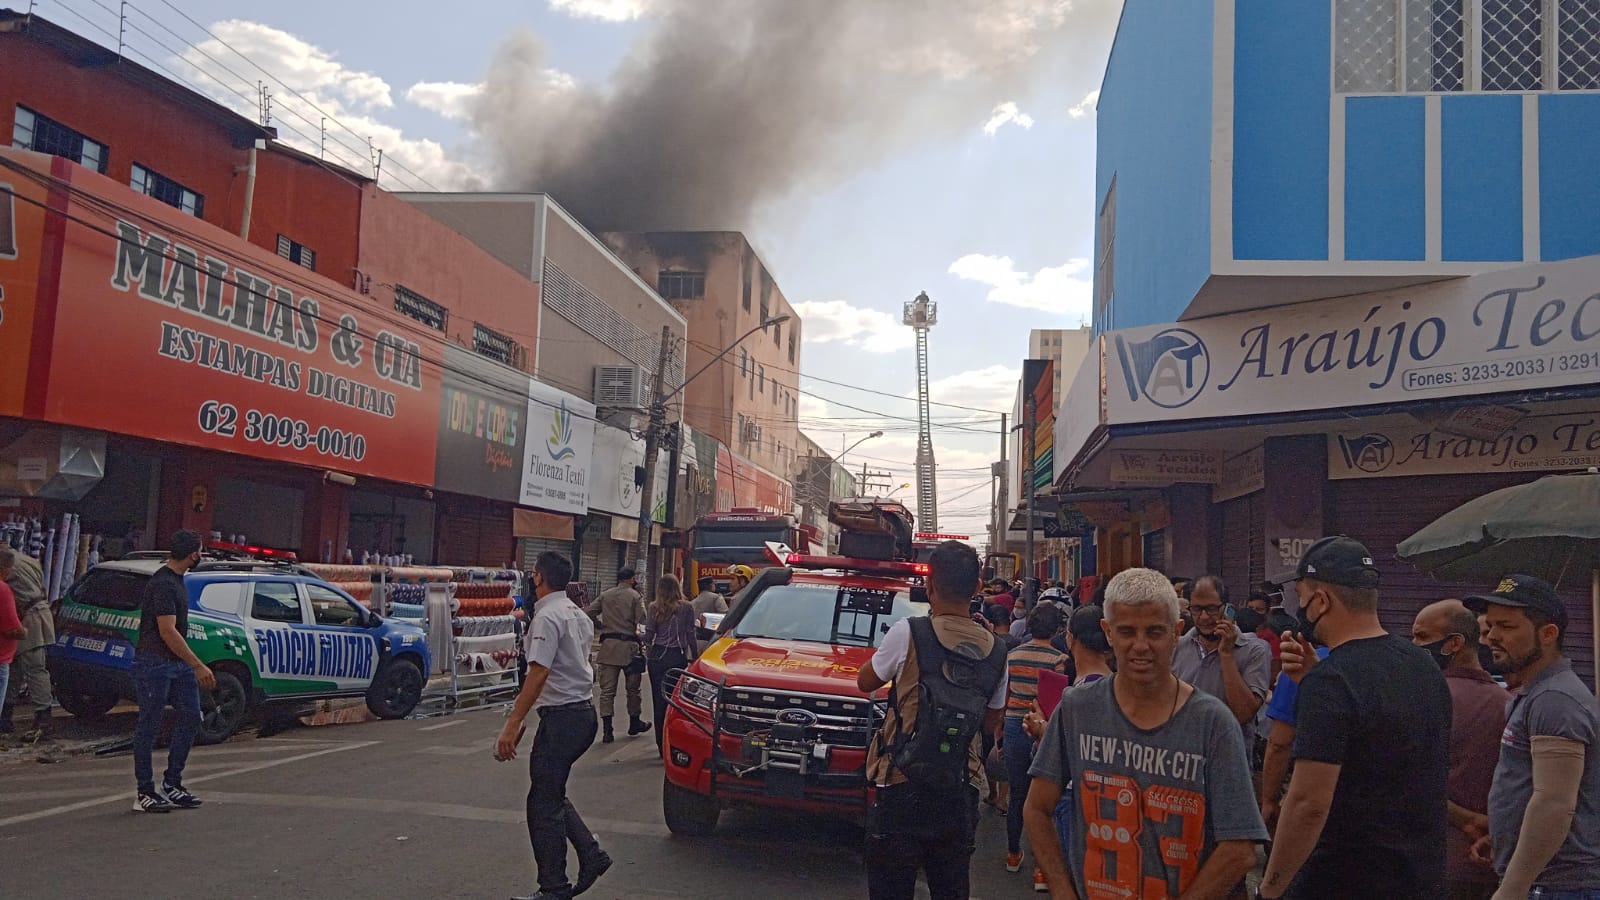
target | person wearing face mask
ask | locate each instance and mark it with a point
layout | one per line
(1449, 632)
(1365, 812)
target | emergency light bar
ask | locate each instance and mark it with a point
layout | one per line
(783, 556)
(252, 550)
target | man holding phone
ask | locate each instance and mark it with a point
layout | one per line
(1218, 659)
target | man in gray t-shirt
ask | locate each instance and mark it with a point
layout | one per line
(1217, 658)
(1547, 837)
(1158, 808)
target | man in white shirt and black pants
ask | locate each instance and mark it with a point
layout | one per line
(560, 685)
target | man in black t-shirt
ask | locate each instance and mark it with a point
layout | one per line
(166, 671)
(1365, 812)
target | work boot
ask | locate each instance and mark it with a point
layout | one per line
(637, 725)
(41, 726)
(608, 737)
(6, 725)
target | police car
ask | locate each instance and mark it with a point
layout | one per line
(271, 632)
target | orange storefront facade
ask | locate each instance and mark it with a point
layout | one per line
(125, 316)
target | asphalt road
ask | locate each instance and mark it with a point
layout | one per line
(415, 809)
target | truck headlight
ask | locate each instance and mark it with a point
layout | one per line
(697, 692)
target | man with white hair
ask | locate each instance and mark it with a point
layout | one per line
(1164, 802)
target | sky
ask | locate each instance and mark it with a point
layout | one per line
(948, 148)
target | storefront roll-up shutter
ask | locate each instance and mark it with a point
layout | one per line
(1155, 550)
(1257, 508)
(474, 532)
(1382, 512)
(1234, 542)
(532, 547)
(597, 556)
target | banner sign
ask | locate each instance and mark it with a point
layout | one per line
(617, 457)
(483, 418)
(1513, 330)
(556, 455)
(21, 249)
(169, 328)
(1159, 468)
(1243, 474)
(1543, 443)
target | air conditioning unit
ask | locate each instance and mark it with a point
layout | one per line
(620, 387)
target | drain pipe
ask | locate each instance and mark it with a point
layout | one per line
(250, 189)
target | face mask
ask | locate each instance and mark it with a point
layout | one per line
(1436, 650)
(1308, 625)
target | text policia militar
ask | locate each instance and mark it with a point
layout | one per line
(167, 272)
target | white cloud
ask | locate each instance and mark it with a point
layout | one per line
(1064, 290)
(1005, 114)
(450, 99)
(835, 321)
(1086, 105)
(317, 87)
(992, 387)
(604, 10)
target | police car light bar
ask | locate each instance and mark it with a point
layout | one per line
(870, 566)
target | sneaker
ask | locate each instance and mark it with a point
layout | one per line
(1013, 862)
(180, 797)
(1039, 884)
(151, 803)
(590, 872)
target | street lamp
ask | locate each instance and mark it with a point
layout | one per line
(898, 490)
(653, 434)
(875, 434)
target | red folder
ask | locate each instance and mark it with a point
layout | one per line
(1052, 685)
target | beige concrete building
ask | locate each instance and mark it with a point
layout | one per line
(750, 401)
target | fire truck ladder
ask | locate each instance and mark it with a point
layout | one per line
(922, 314)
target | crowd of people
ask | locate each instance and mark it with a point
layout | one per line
(1292, 736)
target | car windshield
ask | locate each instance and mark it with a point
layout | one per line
(828, 613)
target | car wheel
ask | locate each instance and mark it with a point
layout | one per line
(687, 813)
(86, 704)
(223, 709)
(395, 689)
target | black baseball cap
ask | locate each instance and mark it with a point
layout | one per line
(1524, 591)
(1335, 560)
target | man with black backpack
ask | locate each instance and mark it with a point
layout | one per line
(949, 676)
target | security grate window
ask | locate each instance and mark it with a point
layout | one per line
(494, 345)
(42, 134)
(1429, 46)
(1513, 45)
(681, 285)
(1578, 44)
(166, 190)
(297, 253)
(573, 301)
(413, 304)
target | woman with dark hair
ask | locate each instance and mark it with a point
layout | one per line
(669, 634)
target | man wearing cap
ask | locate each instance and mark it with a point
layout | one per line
(1449, 632)
(1365, 812)
(1544, 805)
(620, 614)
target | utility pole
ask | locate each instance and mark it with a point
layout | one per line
(652, 449)
(1029, 438)
(1002, 527)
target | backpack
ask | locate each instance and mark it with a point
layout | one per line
(953, 699)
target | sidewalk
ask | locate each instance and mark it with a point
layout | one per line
(69, 736)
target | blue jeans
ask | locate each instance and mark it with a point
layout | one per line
(158, 683)
(5, 678)
(1018, 753)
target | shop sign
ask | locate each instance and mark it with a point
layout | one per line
(1542, 443)
(33, 468)
(559, 446)
(169, 328)
(618, 460)
(1242, 475)
(1514, 330)
(483, 417)
(1163, 467)
(22, 201)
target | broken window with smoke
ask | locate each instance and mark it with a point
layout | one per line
(681, 285)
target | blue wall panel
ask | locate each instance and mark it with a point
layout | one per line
(1481, 174)
(1280, 120)
(1153, 135)
(1569, 175)
(1384, 179)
